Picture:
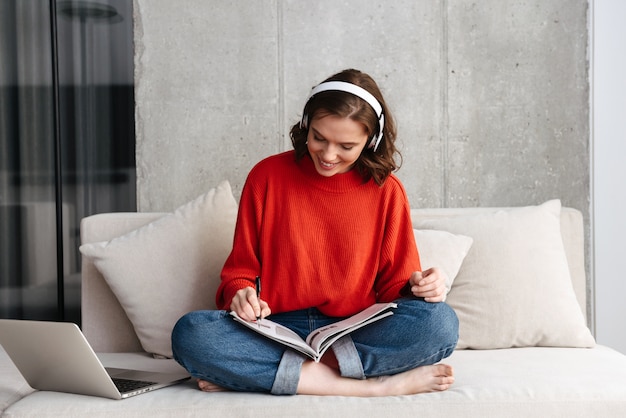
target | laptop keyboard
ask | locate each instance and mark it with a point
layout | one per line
(126, 385)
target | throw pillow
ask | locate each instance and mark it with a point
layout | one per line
(514, 287)
(169, 267)
(443, 250)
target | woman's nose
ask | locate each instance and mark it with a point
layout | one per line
(329, 152)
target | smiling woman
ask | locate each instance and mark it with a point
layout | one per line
(328, 228)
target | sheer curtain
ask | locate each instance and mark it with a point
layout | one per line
(27, 198)
(42, 197)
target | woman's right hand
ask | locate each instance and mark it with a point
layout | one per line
(246, 304)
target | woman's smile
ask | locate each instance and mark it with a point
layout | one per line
(328, 166)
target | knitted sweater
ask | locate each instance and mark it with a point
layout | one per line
(335, 243)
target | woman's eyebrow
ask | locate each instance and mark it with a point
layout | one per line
(317, 133)
(320, 136)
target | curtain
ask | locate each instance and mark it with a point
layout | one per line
(42, 201)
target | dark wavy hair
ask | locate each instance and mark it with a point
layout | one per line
(371, 165)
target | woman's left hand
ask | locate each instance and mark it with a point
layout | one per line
(429, 284)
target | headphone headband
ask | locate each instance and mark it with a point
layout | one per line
(356, 91)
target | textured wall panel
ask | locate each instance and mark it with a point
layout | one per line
(518, 112)
(490, 97)
(207, 95)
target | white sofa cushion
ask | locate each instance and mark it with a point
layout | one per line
(514, 289)
(516, 382)
(13, 387)
(443, 250)
(169, 267)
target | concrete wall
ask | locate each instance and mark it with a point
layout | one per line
(491, 97)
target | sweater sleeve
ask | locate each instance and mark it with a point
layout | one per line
(243, 265)
(399, 255)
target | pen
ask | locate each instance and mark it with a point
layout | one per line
(257, 285)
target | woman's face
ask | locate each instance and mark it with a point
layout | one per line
(335, 143)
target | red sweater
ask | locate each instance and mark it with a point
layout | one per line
(334, 243)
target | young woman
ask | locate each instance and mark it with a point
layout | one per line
(327, 227)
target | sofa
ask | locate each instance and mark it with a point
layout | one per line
(516, 278)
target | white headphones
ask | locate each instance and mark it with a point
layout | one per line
(357, 91)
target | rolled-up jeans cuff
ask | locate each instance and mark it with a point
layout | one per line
(348, 358)
(288, 373)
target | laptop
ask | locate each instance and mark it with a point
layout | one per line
(56, 356)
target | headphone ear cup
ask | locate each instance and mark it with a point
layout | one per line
(304, 121)
(375, 142)
(377, 138)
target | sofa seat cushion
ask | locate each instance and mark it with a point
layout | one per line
(516, 382)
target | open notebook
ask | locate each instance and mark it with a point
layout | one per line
(56, 356)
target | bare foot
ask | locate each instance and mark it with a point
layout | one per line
(205, 386)
(319, 379)
(437, 377)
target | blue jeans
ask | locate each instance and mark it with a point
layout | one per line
(215, 348)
